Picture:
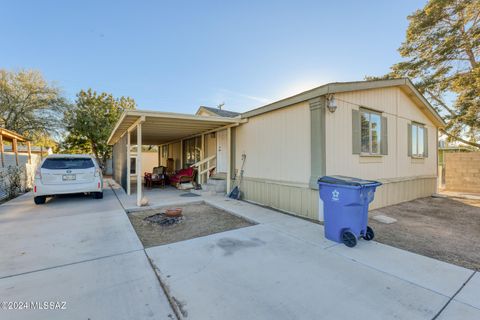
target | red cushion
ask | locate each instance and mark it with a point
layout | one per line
(188, 172)
(181, 172)
(174, 179)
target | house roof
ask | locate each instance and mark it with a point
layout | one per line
(164, 127)
(336, 87)
(218, 112)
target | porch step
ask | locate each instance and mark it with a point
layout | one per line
(218, 176)
(215, 185)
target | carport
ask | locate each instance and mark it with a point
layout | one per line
(136, 127)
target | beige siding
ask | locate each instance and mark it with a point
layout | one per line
(210, 145)
(399, 110)
(277, 167)
(174, 152)
(203, 113)
(277, 145)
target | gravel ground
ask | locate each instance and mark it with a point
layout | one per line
(199, 219)
(446, 229)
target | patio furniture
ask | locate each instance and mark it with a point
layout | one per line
(157, 177)
(183, 176)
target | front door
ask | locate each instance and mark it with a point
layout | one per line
(222, 151)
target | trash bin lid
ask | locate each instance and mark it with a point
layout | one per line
(346, 181)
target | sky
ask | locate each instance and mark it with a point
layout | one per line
(178, 55)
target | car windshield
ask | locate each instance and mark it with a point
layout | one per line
(68, 163)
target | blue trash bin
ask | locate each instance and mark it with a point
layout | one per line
(345, 208)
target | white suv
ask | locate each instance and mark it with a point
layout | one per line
(65, 174)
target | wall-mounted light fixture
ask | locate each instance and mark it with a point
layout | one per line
(331, 103)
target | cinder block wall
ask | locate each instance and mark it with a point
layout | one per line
(462, 172)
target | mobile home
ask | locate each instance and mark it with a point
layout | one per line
(382, 130)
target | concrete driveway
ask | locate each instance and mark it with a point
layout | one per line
(85, 252)
(80, 251)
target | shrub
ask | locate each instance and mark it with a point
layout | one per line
(12, 181)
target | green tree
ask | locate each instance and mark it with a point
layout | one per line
(90, 122)
(441, 52)
(29, 105)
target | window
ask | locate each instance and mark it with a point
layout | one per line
(165, 151)
(67, 163)
(133, 165)
(191, 151)
(371, 132)
(418, 142)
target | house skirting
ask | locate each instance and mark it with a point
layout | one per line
(398, 190)
(291, 197)
(299, 199)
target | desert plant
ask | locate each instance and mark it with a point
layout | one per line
(11, 180)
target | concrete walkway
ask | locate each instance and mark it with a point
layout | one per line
(85, 252)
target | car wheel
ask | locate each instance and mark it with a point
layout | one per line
(40, 199)
(98, 195)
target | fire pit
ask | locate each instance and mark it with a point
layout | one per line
(173, 213)
(154, 227)
(166, 218)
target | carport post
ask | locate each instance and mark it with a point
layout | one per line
(181, 154)
(229, 159)
(128, 165)
(2, 150)
(202, 156)
(15, 149)
(29, 151)
(139, 164)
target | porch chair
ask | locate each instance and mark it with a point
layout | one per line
(156, 177)
(183, 176)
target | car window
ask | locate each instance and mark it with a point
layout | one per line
(68, 163)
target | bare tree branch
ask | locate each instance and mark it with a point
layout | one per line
(473, 144)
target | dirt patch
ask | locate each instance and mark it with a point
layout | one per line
(446, 229)
(199, 219)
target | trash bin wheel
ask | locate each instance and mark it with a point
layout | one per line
(349, 239)
(369, 234)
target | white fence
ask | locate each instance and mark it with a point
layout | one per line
(27, 171)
